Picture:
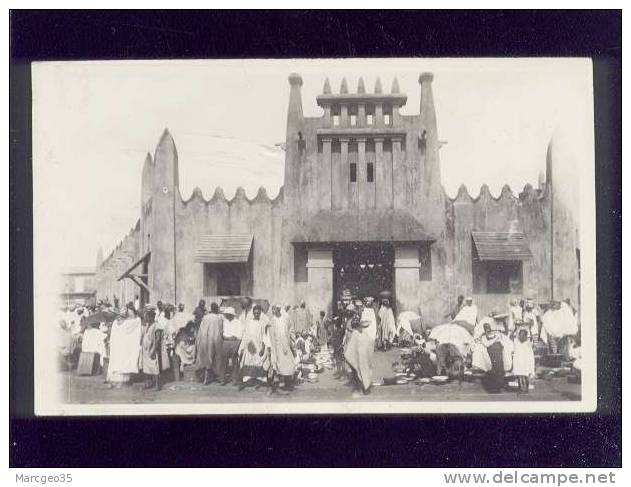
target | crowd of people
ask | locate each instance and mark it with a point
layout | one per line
(257, 347)
(156, 343)
(501, 345)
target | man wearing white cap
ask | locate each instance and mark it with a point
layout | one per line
(232, 332)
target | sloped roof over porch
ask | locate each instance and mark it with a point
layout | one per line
(364, 225)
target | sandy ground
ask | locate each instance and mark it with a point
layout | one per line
(94, 390)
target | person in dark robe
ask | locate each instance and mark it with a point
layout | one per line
(199, 313)
(494, 379)
(209, 345)
(322, 329)
(450, 361)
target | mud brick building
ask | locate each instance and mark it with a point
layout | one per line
(362, 209)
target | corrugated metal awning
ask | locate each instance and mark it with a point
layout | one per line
(223, 248)
(501, 245)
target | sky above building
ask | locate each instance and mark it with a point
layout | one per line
(94, 123)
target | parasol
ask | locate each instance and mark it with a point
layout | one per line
(452, 333)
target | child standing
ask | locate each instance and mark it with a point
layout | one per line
(523, 360)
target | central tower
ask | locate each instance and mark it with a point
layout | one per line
(362, 176)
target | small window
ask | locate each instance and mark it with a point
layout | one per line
(336, 120)
(353, 120)
(369, 119)
(386, 119)
(353, 172)
(370, 172)
(497, 277)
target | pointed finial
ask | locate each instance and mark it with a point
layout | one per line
(395, 85)
(361, 89)
(344, 87)
(327, 87)
(166, 139)
(378, 88)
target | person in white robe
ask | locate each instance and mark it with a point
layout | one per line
(468, 314)
(368, 315)
(253, 360)
(558, 322)
(94, 342)
(388, 324)
(523, 360)
(125, 347)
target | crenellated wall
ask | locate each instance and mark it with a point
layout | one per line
(528, 212)
(118, 261)
(260, 216)
(405, 207)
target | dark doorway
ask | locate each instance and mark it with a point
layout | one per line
(364, 269)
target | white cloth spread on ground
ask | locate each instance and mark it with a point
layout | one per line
(368, 314)
(124, 347)
(468, 314)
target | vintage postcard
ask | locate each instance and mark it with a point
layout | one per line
(314, 236)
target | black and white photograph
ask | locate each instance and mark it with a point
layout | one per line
(314, 235)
